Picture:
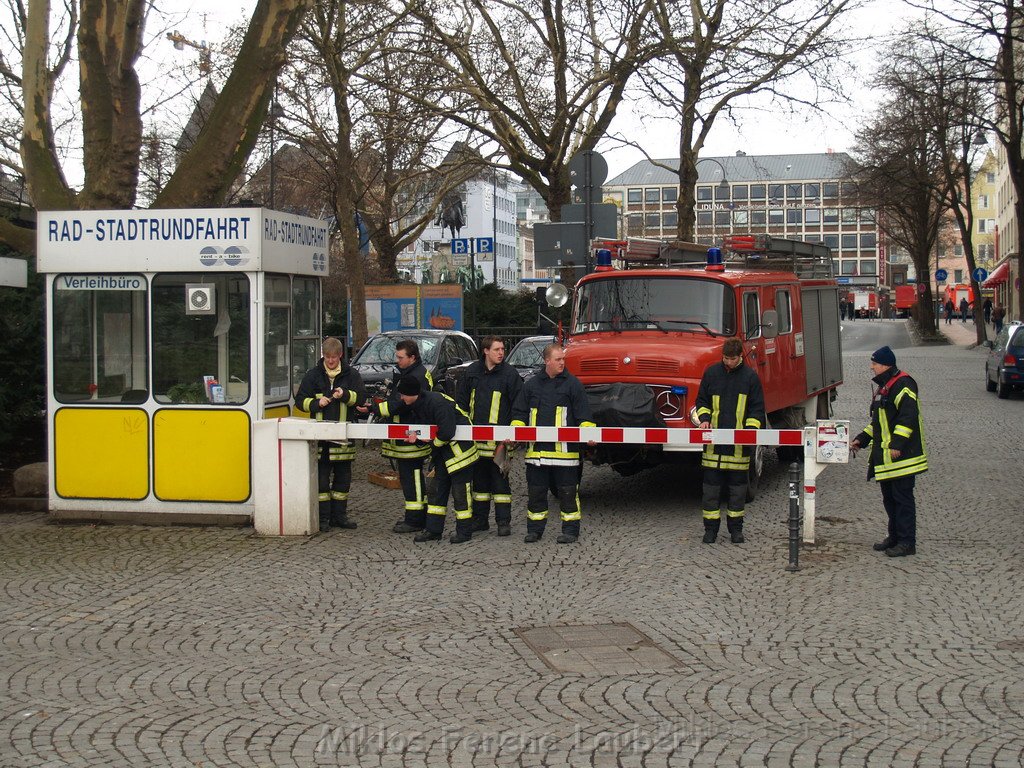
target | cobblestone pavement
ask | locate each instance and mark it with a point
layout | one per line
(127, 646)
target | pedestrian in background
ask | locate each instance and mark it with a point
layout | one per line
(487, 392)
(949, 311)
(730, 397)
(964, 309)
(998, 313)
(898, 452)
(986, 308)
(330, 391)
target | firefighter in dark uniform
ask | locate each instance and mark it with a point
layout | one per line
(329, 392)
(408, 457)
(730, 397)
(553, 398)
(487, 393)
(898, 453)
(453, 459)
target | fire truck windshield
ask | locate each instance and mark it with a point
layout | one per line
(655, 303)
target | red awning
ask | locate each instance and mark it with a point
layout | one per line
(997, 277)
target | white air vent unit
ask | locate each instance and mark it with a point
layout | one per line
(200, 299)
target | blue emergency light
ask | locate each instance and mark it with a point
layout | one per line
(679, 390)
(715, 260)
(604, 260)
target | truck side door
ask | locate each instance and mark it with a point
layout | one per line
(754, 341)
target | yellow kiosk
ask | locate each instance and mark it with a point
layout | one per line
(168, 334)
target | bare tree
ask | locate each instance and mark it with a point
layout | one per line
(987, 36)
(899, 165)
(362, 102)
(719, 53)
(108, 35)
(544, 77)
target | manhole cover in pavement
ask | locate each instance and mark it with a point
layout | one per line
(596, 649)
(1011, 645)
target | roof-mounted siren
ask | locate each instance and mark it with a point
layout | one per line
(603, 260)
(715, 260)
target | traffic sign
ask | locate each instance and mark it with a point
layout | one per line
(485, 245)
(980, 274)
(922, 288)
(460, 245)
(843, 280)
(941, 275)
(604, 215)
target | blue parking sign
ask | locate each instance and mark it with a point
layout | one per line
(485, 245)
(460, 246)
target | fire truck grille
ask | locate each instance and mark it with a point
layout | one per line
(651, 366)
(600, 365)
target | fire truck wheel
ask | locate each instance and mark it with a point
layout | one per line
(989, 384)
(754, 473)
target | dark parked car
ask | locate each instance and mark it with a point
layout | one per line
(439, 351)
(528, 355)
(1004, 365)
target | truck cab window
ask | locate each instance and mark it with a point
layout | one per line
(687, 304)
(751, 315)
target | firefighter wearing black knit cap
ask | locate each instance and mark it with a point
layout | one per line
(453, 459)
(898, 454)
(730, 397)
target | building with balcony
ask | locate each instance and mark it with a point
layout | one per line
(802, 197)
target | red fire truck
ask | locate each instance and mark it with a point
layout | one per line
(643, 332)
(906, 299)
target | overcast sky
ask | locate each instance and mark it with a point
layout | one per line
(765, 131)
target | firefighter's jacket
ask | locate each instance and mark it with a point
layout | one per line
(319, 383)
(488, 396)
(730, 400)
(441, 410)
(558, 401)
(393, 409)
(895, 423)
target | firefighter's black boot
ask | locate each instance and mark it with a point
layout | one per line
(711, 531)
(735, 529)
(339, 515)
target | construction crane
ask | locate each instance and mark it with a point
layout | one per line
(180, 41)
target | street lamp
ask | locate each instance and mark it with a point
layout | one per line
(275, 113)
(723, 185)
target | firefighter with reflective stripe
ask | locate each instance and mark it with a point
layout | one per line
(329, 392)
(730, 397)
(898, 454)
(453, 459)
(408, 458)
(553, 398)
(487, 392)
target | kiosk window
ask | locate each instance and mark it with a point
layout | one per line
(276, 340)
(99, 338)
(201, 334)
(305, 327)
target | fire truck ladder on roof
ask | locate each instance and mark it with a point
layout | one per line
(806, 260)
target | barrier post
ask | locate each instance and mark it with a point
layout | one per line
(794, 517)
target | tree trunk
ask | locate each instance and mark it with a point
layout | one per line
(109, 42)
(43, 175)
(206, 173)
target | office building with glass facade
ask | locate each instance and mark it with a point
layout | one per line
(801, 197)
